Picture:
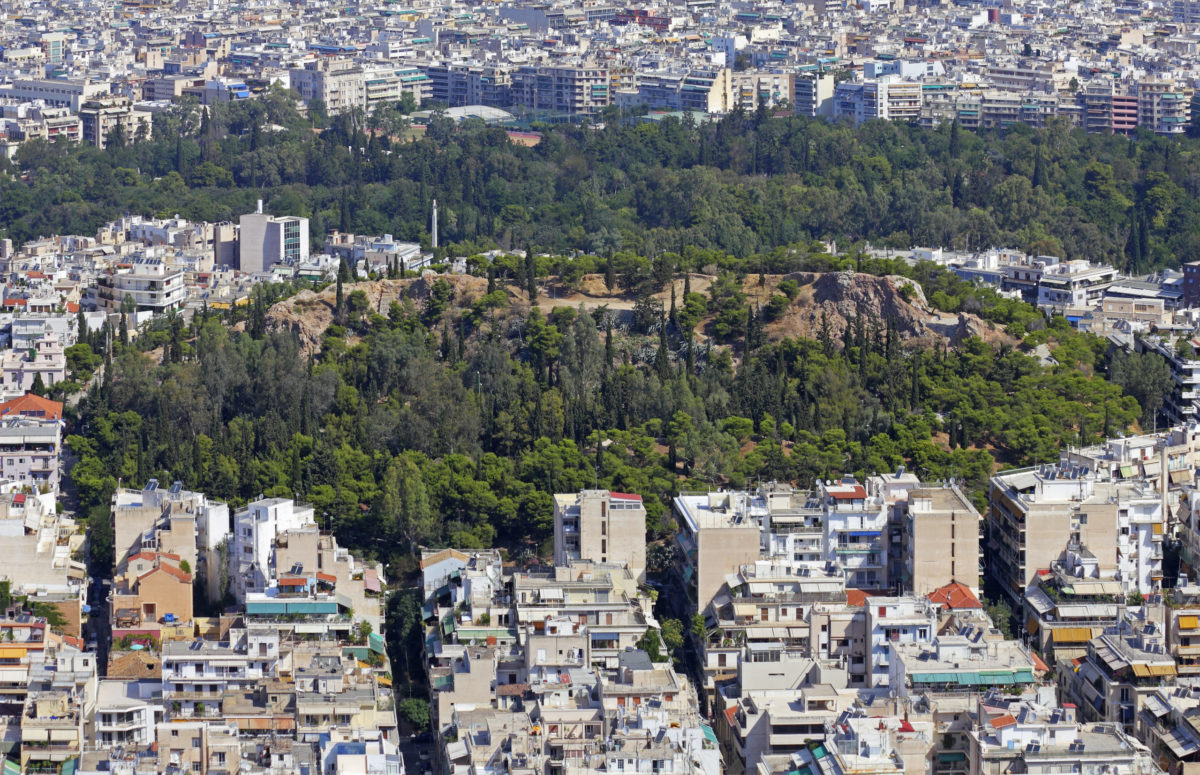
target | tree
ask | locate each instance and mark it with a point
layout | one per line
(531, 274)
(672, 634)
(414, 711)
(650, 643)
(39, 386)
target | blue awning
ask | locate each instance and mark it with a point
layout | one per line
(864, 533)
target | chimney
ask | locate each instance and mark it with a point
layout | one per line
(259, 210)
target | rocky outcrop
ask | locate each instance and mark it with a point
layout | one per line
(839, 297)
(308, 314)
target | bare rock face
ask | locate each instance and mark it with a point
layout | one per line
(835, 299)
(308, 314)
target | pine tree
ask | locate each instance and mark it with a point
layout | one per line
(39, 386)
(955, 139)
(610, 273)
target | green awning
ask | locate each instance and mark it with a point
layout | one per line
(11, 767)
(708, 733)
(952, 756)
(376, 644)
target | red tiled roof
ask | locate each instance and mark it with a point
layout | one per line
(624, 496)
(15, 302)
(72, 307)
(326, 577)
(34, 274)
(293, 582)
(170, 570)
(30, 405)
(856, 598)
(1004, 721)
(955, 596)
(1038, 664)
(852, 492)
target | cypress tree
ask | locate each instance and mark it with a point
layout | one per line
(531, 274)
(339, 308)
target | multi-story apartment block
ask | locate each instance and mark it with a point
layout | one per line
(127, 713)
(718, 533)
(1183, 630)
(855, 523)
(339, 84)
(1027, 736)
(1037, 515)
(460, 85)
(893, 620)
(20, 369)
(1064, 611)
(113, 119)
(255, 531)
(956, 662)
(57, 92)
(1169, 725)
(602, 527)
(886, 98)
(940, 540)
(749, 89)
(813, 94)
(707, 90)
(581, 90)
(1163, 107)
(148, 281)
(1121, 669)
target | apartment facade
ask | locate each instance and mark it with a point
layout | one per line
(566, 91)
(601, 526)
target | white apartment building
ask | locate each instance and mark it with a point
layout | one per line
(148, 281)
(196, 673)
(126, 713)
(893, 620)
(22, 367)
(855, 525)
(255, 530)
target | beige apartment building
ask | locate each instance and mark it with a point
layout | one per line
(603, 527)
(100, 118)
(941, 540)
(197, 747)
(718, 533)
(1034, 514)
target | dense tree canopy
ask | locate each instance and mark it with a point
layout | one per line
(743, 185)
